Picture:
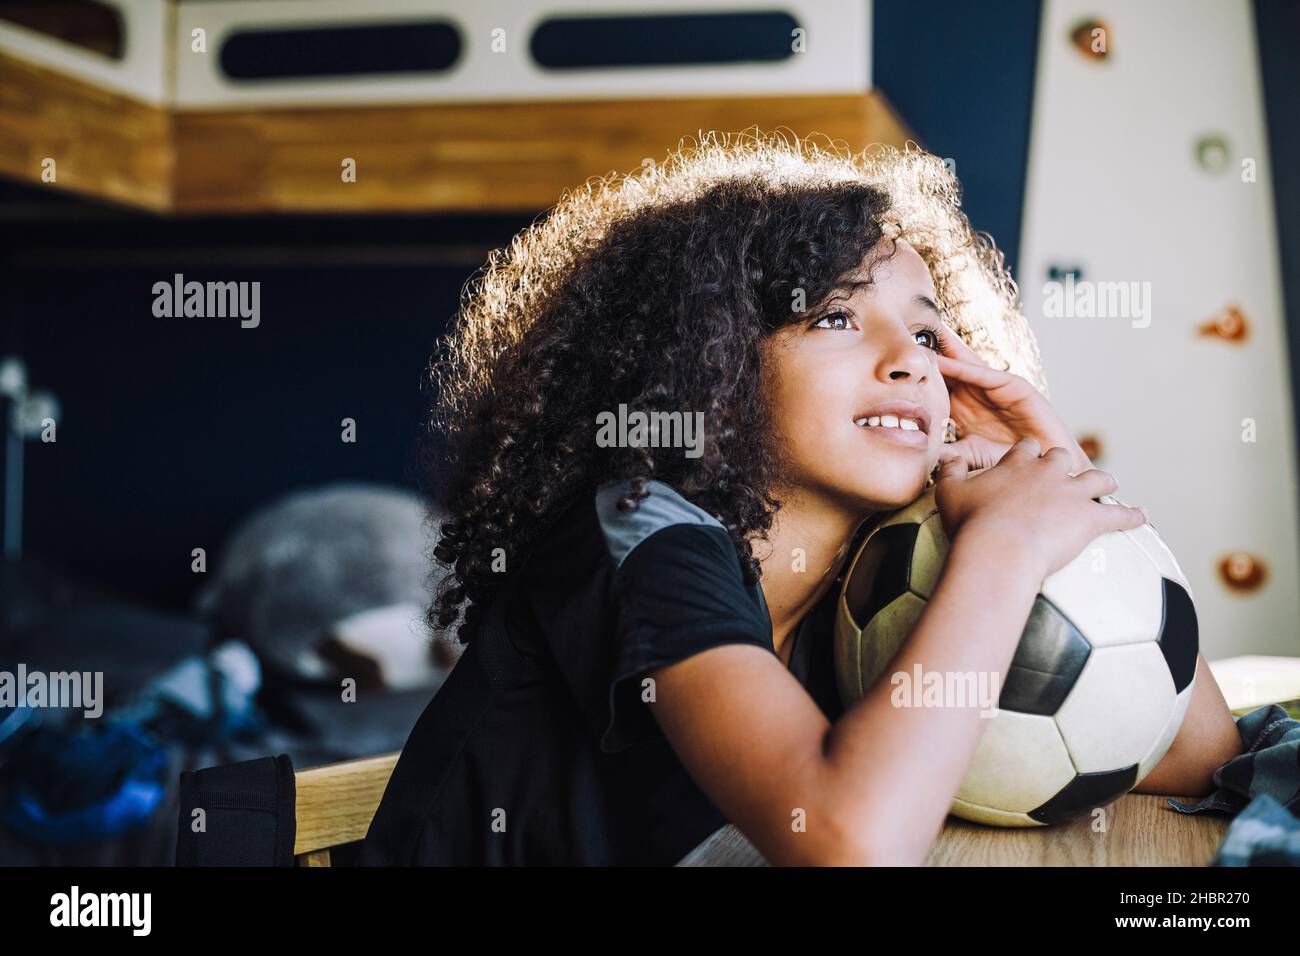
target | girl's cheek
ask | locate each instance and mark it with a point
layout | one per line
(945, 399)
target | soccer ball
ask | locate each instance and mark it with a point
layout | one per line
(1098, 686)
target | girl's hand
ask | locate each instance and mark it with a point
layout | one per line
(993, 409)
(1029, 501)
(976, 451)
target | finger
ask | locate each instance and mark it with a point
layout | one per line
(1059, 456)
(1097, 482)
(972, 373)
(979, 452)
(951, 466)
(957, 345)
(1026, 446)
(1119, 517)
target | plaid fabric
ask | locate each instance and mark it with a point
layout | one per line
(1261, 787)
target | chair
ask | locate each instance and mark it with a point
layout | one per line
(334, 805)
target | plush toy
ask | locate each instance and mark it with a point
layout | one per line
(333, 583)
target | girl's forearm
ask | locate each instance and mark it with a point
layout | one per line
(894, 770)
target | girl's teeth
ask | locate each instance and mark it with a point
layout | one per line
(889, 421)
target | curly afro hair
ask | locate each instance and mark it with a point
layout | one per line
(655, 289)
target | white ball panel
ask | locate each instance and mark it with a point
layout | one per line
(885, 634)
(1020, 763)
(928, 556)
(915, 513)
(848, 674)
(1161, 556)
(1132, 680)
(1133, 603)
(1167, 735)
(991, 816)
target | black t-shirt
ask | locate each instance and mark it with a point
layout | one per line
(538, 749)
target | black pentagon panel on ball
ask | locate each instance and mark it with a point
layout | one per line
(1086, 792)
(886, 577)
(1179, 637)
(1048, 661)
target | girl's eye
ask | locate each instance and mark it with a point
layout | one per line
(936, 338)
(845, 320)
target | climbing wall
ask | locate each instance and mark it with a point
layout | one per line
(1149, 269)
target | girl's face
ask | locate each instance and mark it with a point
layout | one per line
(863, 355)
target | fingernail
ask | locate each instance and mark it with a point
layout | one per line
(1145, 517)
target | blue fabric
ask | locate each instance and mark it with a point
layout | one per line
(1261, 788)
(85, 781)
(87, 785)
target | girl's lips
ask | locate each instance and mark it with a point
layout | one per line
(910, 439)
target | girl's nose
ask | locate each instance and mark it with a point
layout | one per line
(905, 359)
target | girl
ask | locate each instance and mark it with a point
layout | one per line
(647, 618)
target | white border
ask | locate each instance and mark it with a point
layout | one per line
(837, 59)
(141, 73)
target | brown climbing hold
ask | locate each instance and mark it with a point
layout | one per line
(1228, 324)
(1091, 445)
(1242, 571)
(1092, 38)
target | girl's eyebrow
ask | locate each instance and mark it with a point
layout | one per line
(851, 286)
(925, 302)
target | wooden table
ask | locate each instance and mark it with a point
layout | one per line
(1140, 830)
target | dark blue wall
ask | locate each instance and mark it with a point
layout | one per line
(962, 76)
(1277, 24)
(172, 429)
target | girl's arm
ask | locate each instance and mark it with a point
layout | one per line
(1206, 741)
(875, 787)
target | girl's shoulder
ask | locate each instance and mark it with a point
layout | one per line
(665, 507)
(592, 524)
(596, 552)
